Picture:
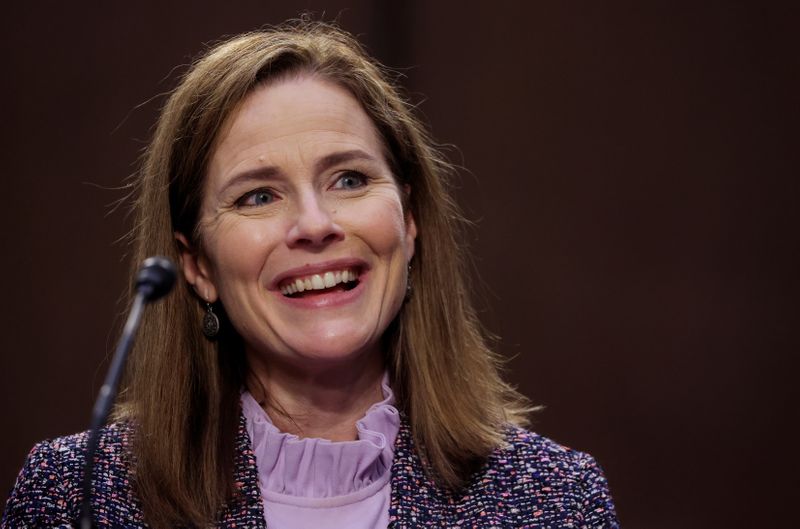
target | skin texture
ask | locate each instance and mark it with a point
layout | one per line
(299, 183)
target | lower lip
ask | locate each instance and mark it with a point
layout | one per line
(329, 300)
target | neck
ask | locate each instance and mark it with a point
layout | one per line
(323, 402)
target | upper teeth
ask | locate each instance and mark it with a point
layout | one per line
(318, 281)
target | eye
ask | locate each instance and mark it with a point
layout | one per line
(255, 198)
(350, 180)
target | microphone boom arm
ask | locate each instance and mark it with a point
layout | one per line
(155, 279)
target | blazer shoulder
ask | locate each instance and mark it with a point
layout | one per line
(533, 466)
(47, 492)
(539, 451)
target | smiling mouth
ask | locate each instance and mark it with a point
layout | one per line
(315, 284)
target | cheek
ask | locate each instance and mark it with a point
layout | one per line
(239, 247)
(382, 224)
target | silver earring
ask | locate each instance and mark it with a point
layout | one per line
(210, 322)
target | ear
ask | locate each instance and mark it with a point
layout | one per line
(196, 269)
(411, 226)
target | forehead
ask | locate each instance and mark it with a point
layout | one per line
(303, 113)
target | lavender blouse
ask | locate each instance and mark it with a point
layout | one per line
(312, 482)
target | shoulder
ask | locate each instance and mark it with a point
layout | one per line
(549, 481)
(48, 488)
(540, 454)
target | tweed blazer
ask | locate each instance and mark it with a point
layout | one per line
(531, 482)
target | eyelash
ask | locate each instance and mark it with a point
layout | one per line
(363, 180)
(241, 202)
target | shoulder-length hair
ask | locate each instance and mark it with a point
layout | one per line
(182, 390)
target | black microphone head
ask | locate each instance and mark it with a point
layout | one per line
(155, 278)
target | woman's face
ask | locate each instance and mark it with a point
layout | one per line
(304, 237)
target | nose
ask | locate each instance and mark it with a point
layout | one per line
(313, 225)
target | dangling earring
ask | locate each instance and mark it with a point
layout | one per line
(409, 288)
(210, 322)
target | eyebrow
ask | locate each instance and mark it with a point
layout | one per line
(323, 164)
(336, 158)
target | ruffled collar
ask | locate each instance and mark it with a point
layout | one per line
(319, 468)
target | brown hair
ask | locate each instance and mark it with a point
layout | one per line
(182, 390)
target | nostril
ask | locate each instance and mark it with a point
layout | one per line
(331, 237)
(317, 241)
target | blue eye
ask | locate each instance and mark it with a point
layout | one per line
(350, 180)
(259, 197)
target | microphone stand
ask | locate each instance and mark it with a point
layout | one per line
(154, 280)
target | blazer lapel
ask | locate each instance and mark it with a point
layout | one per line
(416, 501)
(246, 509)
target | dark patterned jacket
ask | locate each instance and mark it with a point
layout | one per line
(531, 483)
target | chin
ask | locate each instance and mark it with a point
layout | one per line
(330, 348)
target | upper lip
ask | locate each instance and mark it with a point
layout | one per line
(317, 268)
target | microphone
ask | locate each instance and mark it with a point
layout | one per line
(154, 280)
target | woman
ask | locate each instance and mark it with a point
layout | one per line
(322, 366)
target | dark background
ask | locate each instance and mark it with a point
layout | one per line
(631, 167)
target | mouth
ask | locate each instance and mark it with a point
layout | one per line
(321, 283)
